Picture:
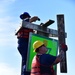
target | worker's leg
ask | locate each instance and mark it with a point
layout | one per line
(23, 48)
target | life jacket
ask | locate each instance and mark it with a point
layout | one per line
(24, 33)
(36, 68)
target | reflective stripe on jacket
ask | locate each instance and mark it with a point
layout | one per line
(36, 68)
(24, 33)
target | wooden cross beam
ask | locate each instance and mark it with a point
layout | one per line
(44, 29)
(61, 38)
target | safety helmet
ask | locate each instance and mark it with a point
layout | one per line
(24, 15)
(37, 44)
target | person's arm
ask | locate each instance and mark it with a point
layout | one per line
(33, 19)
(59, 58)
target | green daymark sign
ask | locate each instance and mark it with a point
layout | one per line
(51, 44)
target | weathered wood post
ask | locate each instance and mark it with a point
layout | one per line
(61, 38)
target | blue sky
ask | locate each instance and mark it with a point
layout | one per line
(10, 59)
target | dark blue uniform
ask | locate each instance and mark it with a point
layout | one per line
(46, 61)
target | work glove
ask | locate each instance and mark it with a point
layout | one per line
(64, 47)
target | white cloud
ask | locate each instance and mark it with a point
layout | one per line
(4, 5)
(7, 31)
(5, 19)
(8, 23)
(6, 69)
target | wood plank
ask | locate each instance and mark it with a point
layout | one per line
(48, 23)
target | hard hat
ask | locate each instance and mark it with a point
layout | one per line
(37, 44)
(24, 15)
